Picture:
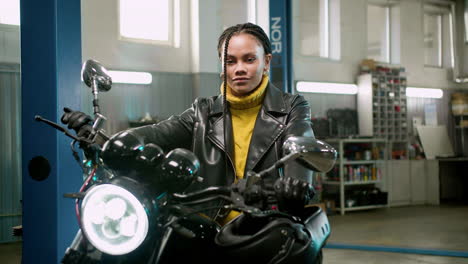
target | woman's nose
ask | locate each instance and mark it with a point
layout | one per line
(240, 68)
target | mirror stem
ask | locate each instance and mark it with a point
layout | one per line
(253, 177)
(95, 95)
(279, 164)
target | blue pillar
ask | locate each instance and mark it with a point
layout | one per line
(50, 80)
(281, 40)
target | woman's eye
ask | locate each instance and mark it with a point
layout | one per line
(229, 61)
(251, 59)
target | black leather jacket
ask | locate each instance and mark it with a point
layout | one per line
(200, 129)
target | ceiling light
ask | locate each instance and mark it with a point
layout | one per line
(329, 88)
(424, 92)
(131, 77)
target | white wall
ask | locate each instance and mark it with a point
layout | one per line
(354, 46)
(9, 44)
(197, 52)
(412, 52)
(201, 25)
(205, 27)
(100, 40)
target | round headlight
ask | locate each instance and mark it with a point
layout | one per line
(113, 219)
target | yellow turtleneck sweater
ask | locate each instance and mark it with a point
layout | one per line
(244, 111)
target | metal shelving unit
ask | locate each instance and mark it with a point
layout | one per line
(460, 128)
(343, 163)
(382, 107)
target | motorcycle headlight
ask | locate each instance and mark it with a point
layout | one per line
(113, 219)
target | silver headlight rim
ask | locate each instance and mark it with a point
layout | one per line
(101, 244)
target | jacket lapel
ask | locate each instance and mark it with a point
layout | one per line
(269, 125)
(216, 128)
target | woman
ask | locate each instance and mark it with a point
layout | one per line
(258, 118)
(230, 135)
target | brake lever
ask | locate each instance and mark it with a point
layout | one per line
(62, 129)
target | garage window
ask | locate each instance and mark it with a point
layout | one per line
(438, 36)
(10, 12)
(383, 31)
(149, 21)
(319, 28)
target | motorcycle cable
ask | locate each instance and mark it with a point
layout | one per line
(76, 155)
(196, 212)
(82, 189)
(208, 199)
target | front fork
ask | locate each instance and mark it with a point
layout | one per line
(81, 252)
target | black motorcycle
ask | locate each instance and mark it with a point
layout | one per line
(126, 218)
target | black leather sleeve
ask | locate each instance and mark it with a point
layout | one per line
(175, 132)
(298, 124)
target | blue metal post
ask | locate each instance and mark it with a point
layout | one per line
(50, 80)
(281, 40)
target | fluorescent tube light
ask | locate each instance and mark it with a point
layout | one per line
(424, 92)
(131, 77)
(329, 88)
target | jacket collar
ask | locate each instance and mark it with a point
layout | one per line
(268, 126)
(273, 102)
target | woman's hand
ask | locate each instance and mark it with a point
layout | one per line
(78, 121)
(292, 194)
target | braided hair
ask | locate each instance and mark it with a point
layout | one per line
(225, 37)
(248, 28)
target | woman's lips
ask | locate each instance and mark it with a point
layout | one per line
(240, 79)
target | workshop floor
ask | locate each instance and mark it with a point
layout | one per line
(442, 228)
(10, 253)
(428, 227)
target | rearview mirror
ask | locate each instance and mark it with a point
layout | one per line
(96, 76)
(313, 153)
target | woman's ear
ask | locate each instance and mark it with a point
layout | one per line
(267, 63)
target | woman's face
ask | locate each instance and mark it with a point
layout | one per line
(246, 62)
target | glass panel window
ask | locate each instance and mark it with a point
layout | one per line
(438, 42)
(9, 12)
(314, 27)
(149, 20)
(433, 40)
(319, 26)
(378, 33)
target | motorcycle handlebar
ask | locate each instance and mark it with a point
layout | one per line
(205, 193)
(61, 129)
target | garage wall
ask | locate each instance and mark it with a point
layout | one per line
(179, 74)
(100, 40)
(354, 44)
(10, 154)
(9, 44)
(169, 94)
